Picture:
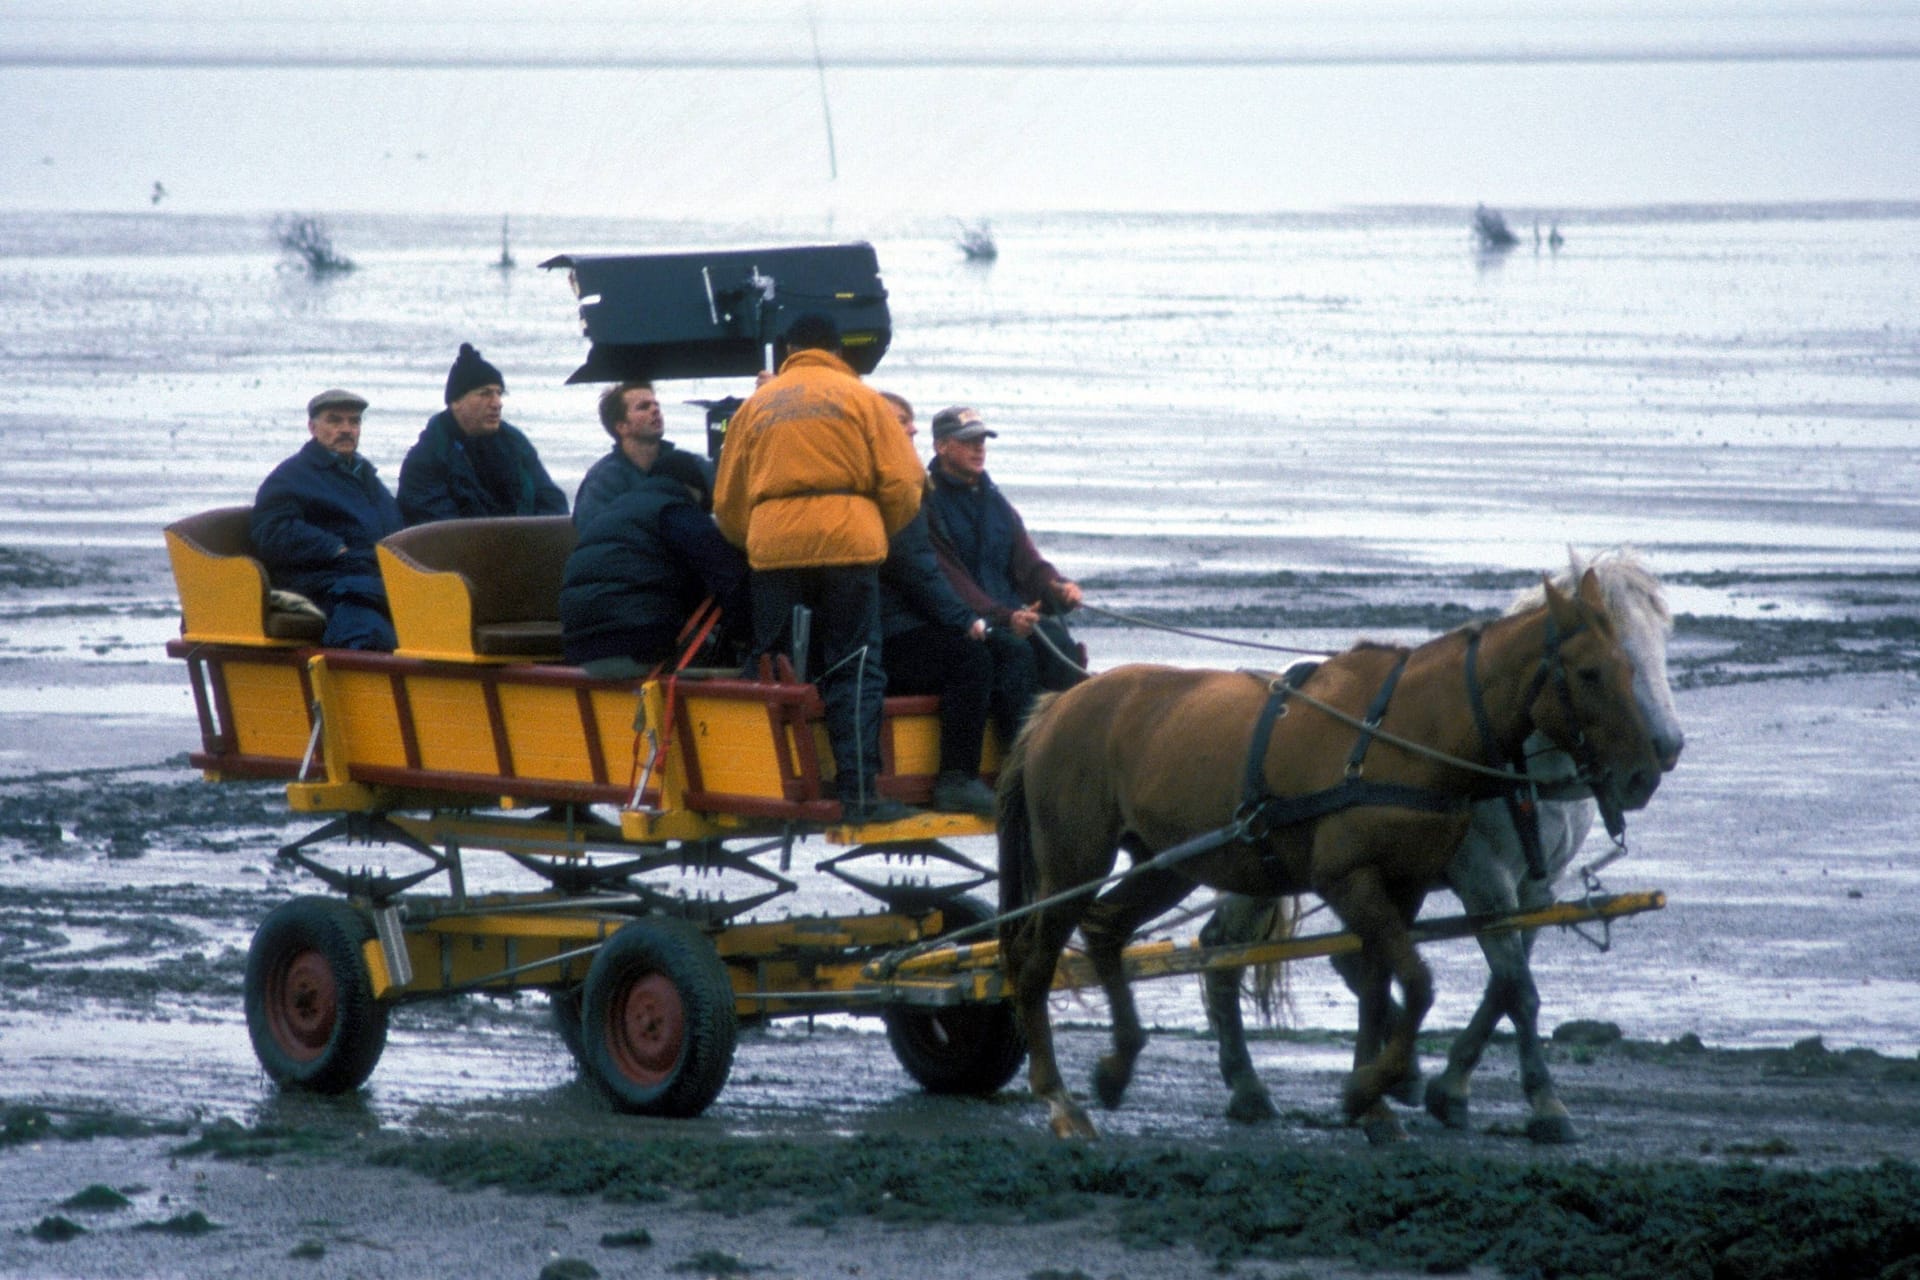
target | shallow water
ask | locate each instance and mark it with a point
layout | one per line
(1732, 389)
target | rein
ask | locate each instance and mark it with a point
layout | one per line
(1150, 625)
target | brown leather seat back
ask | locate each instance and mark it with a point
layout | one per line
(512, 567)
(223, 531)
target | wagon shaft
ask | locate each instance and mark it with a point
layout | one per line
(952, 975)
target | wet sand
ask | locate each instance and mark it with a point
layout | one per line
(1737, 1098)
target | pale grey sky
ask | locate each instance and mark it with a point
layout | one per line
(971, 108)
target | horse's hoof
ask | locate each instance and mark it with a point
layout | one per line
(1383, 1130)
(1409, 1091)
(1450, 1109)
(1068, 1120)
(1551, 1131)
(1110, 1082)
(1074, 1128)
(1251, 1106)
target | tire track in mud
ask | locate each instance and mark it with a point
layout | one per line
(112, 945)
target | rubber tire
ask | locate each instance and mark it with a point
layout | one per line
(972, 1049)
(311, 1013)
(656, 1019)
(566, 1018)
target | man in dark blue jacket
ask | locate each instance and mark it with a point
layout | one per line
(642, 565)
(933, 643)
(630, 411)
(316, 518)
(471, 462)
(992, 563)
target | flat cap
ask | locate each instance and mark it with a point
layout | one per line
(334, 397)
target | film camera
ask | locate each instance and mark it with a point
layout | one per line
(721, 313)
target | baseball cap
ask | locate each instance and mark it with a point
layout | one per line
(957, 422)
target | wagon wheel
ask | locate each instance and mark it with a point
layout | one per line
(310, 1008)
(656, 1019)
(970, 1048)
(566, 1018)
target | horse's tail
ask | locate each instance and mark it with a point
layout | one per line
(1238, 920)
(1018, 875)
(1273, 983)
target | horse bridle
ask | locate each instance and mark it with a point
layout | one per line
(1524, 809)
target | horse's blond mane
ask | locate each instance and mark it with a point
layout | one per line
(1626, 583)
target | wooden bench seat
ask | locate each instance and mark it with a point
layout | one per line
(485, 590)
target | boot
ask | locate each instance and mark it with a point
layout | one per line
(957, 792)
(875, 808)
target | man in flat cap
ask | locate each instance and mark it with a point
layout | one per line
(316, 518)
(469, 461)
(990, 559)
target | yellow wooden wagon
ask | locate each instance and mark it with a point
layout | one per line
(605, 794)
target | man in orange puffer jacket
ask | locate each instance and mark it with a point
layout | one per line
(814, 479)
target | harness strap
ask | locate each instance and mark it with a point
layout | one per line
(1376, 712)
(1253, 786)
(1261, 811)
(1353, 793)
(1522, 810)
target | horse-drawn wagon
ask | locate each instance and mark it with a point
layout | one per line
(638, 836)
(607, 800)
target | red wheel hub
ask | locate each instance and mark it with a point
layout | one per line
(646, 1029)
(302, 1005)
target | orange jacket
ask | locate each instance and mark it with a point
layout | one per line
(815, 470)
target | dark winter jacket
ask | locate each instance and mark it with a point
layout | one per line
(913, 590)
(316, 518)
(440, 481)
(614, 475)
(984, 548)
(640, 568)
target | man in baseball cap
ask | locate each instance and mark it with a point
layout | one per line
(990, 559)
(316, 518)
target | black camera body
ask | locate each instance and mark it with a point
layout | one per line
(722, 313)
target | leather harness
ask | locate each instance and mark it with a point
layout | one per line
(1261, 811)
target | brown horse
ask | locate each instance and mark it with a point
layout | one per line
(1159, 761)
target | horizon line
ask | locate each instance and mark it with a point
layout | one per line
(233, 60)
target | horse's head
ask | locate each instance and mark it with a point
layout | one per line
(1589, 699)
(1638, 607)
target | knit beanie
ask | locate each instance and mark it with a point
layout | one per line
(471, 370)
